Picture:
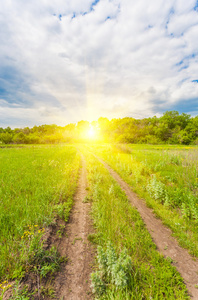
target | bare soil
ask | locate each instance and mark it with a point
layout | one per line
(73, 280)
(161, 235)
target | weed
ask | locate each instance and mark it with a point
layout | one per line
(157, 190)
(46, 262)
(169, 259)
(175, 160)
(87, 199)
(48, 291)
(113, 270)
(76, 239)
(60, 231)
(21, 293)
(94, 238)
(4, 286)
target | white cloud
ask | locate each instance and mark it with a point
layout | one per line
(119, 58)
(180, 23)
(182, 6)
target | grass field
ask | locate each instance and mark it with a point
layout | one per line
(36, 185)
(129, 266)
(167, 178)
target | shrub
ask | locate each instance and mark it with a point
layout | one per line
(157, 190)
(114, 270)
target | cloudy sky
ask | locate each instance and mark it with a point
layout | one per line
(63, 61)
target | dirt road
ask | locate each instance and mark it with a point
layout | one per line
(161, 235)
(73, 281)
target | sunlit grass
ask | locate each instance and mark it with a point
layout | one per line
(36, 184)
(117, 222)
(166, 177)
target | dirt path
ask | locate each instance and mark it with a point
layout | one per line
(73, 281)
(161, 235)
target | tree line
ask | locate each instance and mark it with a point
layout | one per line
(170, 128)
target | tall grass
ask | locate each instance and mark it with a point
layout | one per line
(120, 232)
(36, 184)
(166, 177)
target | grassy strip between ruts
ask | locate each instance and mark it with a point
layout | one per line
(166, 177)
(129, 265)
(36, 185)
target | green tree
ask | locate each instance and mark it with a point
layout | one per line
(6, 138)
(20, 138)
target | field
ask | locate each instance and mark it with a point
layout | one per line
(36, 184)
(167, 178)
(37, 187)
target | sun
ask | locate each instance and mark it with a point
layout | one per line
(91, 132)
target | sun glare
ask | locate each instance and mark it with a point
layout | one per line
(91, 132)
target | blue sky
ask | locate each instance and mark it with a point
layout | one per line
(63, 61)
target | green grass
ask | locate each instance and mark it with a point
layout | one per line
(167, 178)
(37, 184)
(119, 227)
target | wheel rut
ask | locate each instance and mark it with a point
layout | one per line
(161, 235)
(73, 280)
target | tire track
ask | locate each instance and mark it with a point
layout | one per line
(73, 281)
(161, 235)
